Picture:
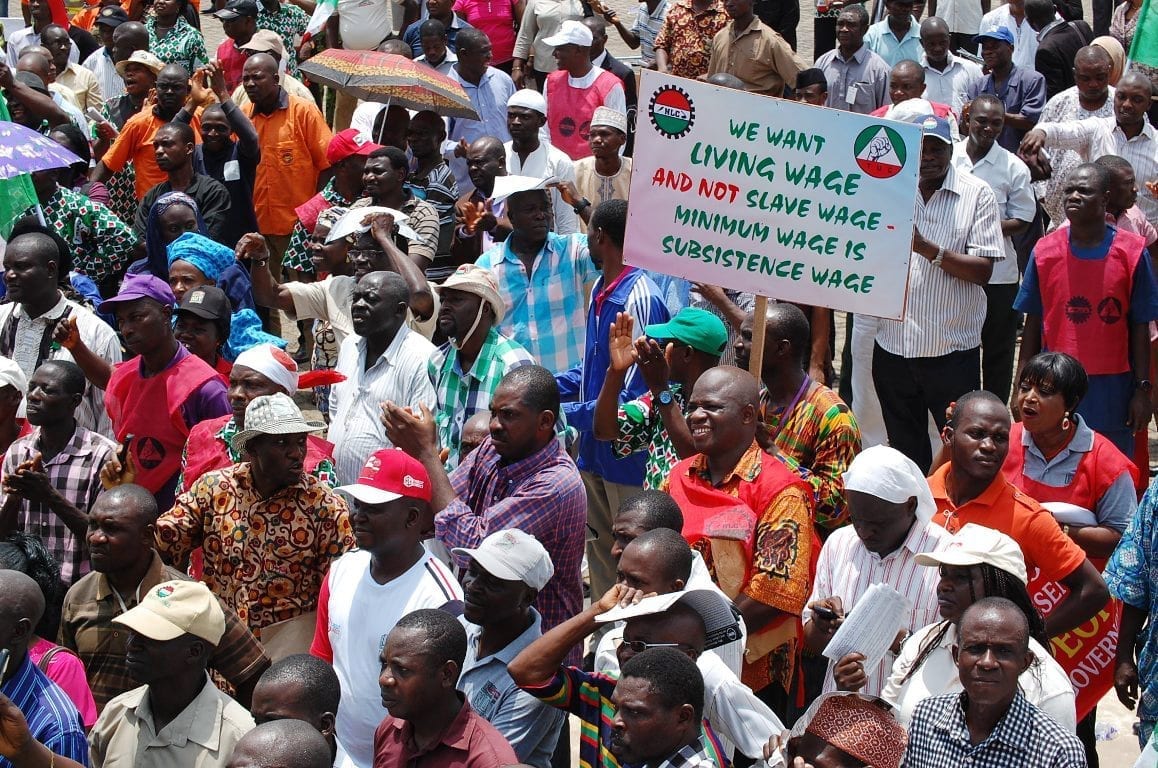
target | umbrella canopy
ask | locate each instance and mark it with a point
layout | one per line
(386, 77)
(23, 150)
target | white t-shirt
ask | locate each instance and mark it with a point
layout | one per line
(365, 23)
(359, 614)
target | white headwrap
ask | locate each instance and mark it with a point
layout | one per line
(272, 363)
(890, 475)
(11, 373)
(529, 99)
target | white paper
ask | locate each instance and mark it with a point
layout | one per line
(351, 223)
(505, 186)
(871, 626)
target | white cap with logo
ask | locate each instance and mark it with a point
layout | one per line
(975, 544)
(512, 555)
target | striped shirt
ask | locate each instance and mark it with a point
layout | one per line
(460, 395)
(646, 28)
(846, 569)
(1101, 136)
(546, 311)
(587, 695)
(53, 719)
(943, 313)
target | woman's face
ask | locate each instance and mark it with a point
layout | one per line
(199, 336)
(166, 7)
(960, 586)
(327, 257)
(176, 221)
(184, 277)
(1042, 406)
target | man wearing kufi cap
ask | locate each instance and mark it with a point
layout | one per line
(270, 569)
(368, 590)
(604, 174)
(812, 87)
(177, 717)
(528, 154)
(849, 729)
(503, 576)
(260, 370)
(890, 508)
(576, 89)
(469, 366)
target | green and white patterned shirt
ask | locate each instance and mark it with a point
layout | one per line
(290, 23)
(102, 244)
(183, 44)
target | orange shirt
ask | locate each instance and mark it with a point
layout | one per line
(293, 139)
(1004, 508)
(135, 145)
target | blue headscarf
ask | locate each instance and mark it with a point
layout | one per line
(209, 256)
(245, 332)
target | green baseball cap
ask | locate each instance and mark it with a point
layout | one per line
(697, 328)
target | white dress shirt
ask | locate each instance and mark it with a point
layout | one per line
(100, 63)
(949, 86)
(1008, 176)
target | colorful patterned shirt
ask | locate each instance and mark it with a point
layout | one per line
(822, 436)
(686, 36)
(122, 185)
(641, 427)
(587, 695)
(102, 244)
(290, 23)
(264, 557)
(462, 395)
(297, 253)
(182, 45)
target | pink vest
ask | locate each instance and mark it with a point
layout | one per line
(1086, 302)
(569, 116)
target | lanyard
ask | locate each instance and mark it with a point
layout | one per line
(791, 406)
(121, 600)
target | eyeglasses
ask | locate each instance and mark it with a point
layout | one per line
(638, 646)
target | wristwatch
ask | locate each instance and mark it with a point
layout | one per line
(665, 397)
(1143, 385)
(581, 205)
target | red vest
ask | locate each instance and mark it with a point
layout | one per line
(134, 404)
(205, 453)
(1086, 302)
(569, 116)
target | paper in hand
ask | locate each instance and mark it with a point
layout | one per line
(871, 626)
(351, 223)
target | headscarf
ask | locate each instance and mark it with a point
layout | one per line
(209, 256)
(272, 363)
(888, 474)
(156, 260)
(1113, 46)
(245, 331)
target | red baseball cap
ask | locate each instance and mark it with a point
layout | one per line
(347, 143)
(390, 474)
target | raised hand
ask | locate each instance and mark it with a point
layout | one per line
(620, 343)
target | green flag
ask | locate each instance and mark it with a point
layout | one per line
(16, 194)
(1144, 49)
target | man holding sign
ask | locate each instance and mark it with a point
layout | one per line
(923, 363)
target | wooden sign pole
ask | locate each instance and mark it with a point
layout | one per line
(759, 325)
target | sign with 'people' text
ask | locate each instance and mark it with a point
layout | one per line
(772, 197)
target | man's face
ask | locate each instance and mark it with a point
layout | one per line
(25, 274)
(997, 54)
(458, 312)
(474, 58)
(639, 568)
(410, 681)
(434, 47)
(375, 526)
(906, 83)
(491, 601)
(118, 536)
(567, 56)
(439, 8)
(979, 443)
(990, 657)
(19, 112)
(1092, 79)
(1083, 198)
(985, 123)
(148, 661)
(138, 79)
(850, 31)
(598, 37)
(524, 123)
(818, 753)
(530, 214)
(425, 135)
(59, 44)
(936, 45)
(259, 80)
(605, 141)
(644, 730)
(367, 256)
(371, 309)
(49, 402)
(279, 458)
(171, 152)
(144, 325)
(106, 32)
(673, 629)
(1131, 100)
(240, 30)
(40, 11)
(717, 420)
(935, 158)
(172, 91)
(215, 130)
(244, 385)
(1123, 189)
(283, 701)
(815, 94)
(900, 11)
(880, 525)
(514, 424)
(380, 179)
(738, 8)
(483, 165)
(625, 528)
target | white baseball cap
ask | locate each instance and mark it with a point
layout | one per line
(975, 544)
(721, 624)
(513, 555)
(571, 32)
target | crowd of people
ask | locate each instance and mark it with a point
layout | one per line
(548, 484)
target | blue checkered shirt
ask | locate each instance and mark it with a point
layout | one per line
(1025, 737)
(547, 312)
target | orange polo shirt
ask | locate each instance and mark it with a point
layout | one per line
(293, 139)
(1004, 508)
(135, 144)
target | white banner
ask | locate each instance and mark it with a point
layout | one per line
(772, 197)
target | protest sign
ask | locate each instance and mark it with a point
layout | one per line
(1086, 653)
(772, 197)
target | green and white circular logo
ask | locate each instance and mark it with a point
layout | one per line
(880, 152)
(672, 112)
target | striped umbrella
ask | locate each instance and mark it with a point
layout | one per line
(386, 77)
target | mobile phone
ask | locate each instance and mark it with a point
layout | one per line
(825, 613)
